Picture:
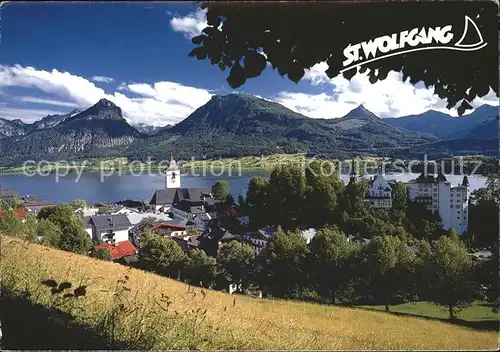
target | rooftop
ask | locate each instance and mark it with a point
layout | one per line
(106, 222)
(119, 250)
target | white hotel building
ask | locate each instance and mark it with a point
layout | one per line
(437, 193)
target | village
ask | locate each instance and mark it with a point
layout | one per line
(195, 218)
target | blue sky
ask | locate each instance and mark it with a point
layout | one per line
(60, 56)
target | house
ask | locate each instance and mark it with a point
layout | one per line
(202, 221)
(439, 196)
(89, 227)
(120, 250)
(358, 239)
(258, 239)
(187, 243)
(110, 229)
(380, 192)
(169, 230)
(308, 233)
(35, 203)
(18, 213)
(7, 194)
(243, 220)
(87, 211)
(214, 237)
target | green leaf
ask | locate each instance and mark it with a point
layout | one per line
(254, 63)
(296, 73)
(236, 76)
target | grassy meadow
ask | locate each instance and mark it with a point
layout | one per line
(143, 310)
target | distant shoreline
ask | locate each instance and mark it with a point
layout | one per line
(248, 163)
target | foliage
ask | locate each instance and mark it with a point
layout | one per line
(329, 250)
(449, 270)
(286, 264)
(79, 203)
(234, 261)
(220, 190)
(104, 209)
(286, 195)
(74, 237)
(101, 253)
(237, 36)
(148, 222)
(257, 200)
(13, 225)
(49, 232)
(323, 188)
(161, 254)
(390, 269)
(200, 269)
(484, 213)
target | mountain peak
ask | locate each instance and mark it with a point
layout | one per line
(105, 103)
(102, 110)
(361, 112)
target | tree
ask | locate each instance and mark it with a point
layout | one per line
(161, 254)
(61, 215)
(484, 213)
(286, 194)
(449, 272)
(399, 202)
(148, 222)
(79, 203)
(49, 232)
(104, 209)
(452, 235)
(257, 201)
(11, 224)
(74, 237)
(329, 249)
(16, 203)
(286, 264)
(245, 37)
(234, 260)
(391, 266)
(101, 253)
(220, 190)
(200, 268)
(321, 193)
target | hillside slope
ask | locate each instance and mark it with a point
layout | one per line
(204, 319)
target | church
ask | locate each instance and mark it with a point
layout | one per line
(196, 205)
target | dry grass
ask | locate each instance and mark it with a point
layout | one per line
(230, 322)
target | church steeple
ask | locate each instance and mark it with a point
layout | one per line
(353, 177)
(172, 174)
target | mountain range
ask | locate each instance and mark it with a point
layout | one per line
(237, 125)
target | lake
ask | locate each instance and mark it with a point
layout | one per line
(127, 186)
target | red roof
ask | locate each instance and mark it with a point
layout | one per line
(20, 213)
(168, 226)
(120, 250)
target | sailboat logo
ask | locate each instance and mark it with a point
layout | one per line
(476, 46)
(416, 39)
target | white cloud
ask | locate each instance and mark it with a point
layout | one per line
(162, 102)
(102, 79)
(391, 97)
(36, 100)
(27, 115)
(191, 25)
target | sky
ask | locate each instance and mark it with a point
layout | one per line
(56, 57)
